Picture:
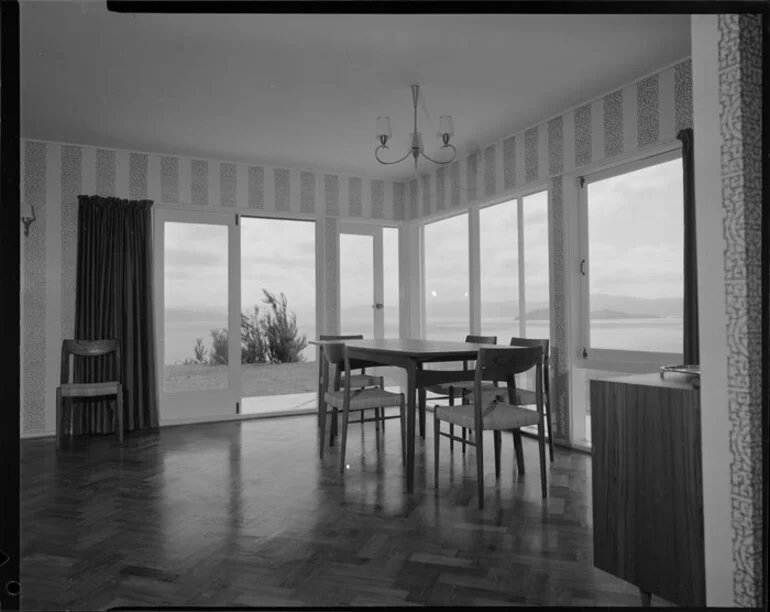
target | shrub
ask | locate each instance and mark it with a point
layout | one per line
(199, 351)
(283, 342)
(253, 348)
(218, 350)
(272, 338)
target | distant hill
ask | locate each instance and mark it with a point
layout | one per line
(543, 314)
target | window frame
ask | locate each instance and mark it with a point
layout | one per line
(520, 237)
(598, 358)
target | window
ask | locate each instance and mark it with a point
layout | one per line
(514, 266)
(445, 248)
(632, 248)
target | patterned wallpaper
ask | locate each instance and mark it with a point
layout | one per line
(648, 112)
(54, 174)
(740, 112)
(645, 113)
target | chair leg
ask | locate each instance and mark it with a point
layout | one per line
(422, 401)
(480, 466)
(119, 414)
(322, 416)
(498, 443)
(343, 438)
(519, 450)
(550, 430)
(333, 427)
(59, 418)
(402, 422)
(436, 436)
(382, 386)
(541, 444)
(451, 398)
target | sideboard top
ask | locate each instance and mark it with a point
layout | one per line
(672, 380)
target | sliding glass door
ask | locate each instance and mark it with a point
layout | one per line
(197, 291)
(278, 303)
(369, 291)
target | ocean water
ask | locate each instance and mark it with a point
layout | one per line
(657, 335)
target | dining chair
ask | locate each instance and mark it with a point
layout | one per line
(483, 413)
(459, 389)
(348, 399)
(68, 391)
(358, 381)
(527, 397)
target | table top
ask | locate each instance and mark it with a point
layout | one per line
(413, 346)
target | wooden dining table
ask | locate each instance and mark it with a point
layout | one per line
(409, 354)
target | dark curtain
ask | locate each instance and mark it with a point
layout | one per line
(690, 348)
(114, 299)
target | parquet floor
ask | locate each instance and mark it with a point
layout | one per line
(245, 513)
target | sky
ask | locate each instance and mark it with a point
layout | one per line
(635, 249)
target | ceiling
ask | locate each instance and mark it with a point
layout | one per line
(304, 90)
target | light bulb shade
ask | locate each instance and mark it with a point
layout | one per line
(383, 127)
(445, 125)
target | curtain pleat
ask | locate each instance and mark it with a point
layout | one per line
(691, 350)
(114, 300)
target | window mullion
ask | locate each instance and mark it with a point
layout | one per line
(522, 289)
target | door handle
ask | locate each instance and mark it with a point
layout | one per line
(583, 267)
(378, 306)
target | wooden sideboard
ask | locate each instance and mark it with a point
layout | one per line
(647, 485)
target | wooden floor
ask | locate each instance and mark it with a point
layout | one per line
(245, 513)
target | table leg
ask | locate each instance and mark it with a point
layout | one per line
(411, 374)
(321, 380)
(421, 395)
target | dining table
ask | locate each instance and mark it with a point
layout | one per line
(411, 355)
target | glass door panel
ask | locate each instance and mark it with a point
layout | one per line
(278, 368)
(194, 290)
(357, 284)
(390, 282)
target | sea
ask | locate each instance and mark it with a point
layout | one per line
(657, 335)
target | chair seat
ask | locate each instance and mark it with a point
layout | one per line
(524, 397)
(362, 380)
(365, 398)
(90, 389)
(458, 387)
(496, 415)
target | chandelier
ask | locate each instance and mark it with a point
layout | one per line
(445, 127)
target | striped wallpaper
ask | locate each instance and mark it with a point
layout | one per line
(648, 112)
(54, 174)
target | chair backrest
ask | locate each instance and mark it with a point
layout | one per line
(356, 364)
(502, 364)
(478, 340)
(337, 355)
(88, 348)
(481, 339)
(544, 342)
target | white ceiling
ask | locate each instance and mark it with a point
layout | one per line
(305, 90)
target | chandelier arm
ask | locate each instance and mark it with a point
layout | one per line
(451, 159)
(376, 154)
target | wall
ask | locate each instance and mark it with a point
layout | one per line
(727, 65)
(54, 174)
(628, 121)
